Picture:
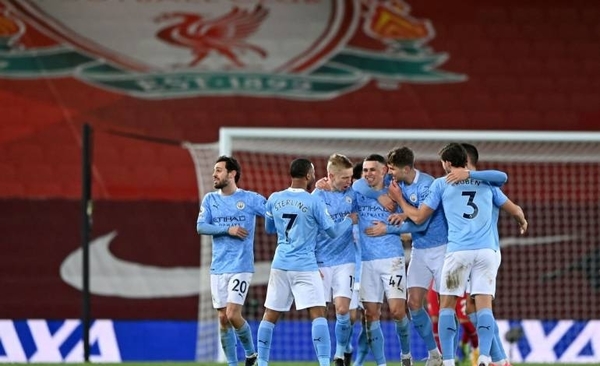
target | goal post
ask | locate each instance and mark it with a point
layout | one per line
(550, 273)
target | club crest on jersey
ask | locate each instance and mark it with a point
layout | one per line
(413, 198)
(240, 205)
(348, 199)
(225, 47)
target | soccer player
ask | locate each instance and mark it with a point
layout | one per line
(428, 245)
(336, 257)
(229, 215)
(468, 208)
(383, 266)
(297, 216)
(355, 312)
(498, 353)
(428, 241)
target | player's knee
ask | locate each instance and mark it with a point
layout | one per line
(398, 312)
(233, 315)
(342, 309)
(223, 319)
(415, 303)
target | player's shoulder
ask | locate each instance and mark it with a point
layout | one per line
(439, 181)
(438, 184)
(424, 178)
(275, 195)
(211, 195)
(319, 192)
(245, 192)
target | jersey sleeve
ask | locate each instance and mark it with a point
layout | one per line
(434, 197)
(325, 221)
(269, 220)
(499, 197)
(494, 177)
(407, 227)
(361, 186)
(259, 204)
(203, 225)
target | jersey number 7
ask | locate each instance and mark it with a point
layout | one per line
(292, 218)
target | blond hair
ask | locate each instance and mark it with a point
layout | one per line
(338, 162)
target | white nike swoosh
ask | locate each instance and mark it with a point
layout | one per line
(111, 276)
(550, 239)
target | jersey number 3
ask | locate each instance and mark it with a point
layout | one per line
(470, 203)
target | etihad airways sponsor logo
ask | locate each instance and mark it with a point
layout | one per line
(306, 49)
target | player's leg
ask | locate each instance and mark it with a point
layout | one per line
(497, 352)
(371, 296)
(362, 344)
(348, 352)
(469, 341)
(219, 291)
(394, 283)
(425, 266)
(238, 287)
(433, 309)
(483, 289)
(342, 286)
(455, 273)
(308, 294)
(279, 299)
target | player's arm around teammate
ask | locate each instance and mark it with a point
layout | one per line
(296, 217)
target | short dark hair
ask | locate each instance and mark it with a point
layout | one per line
(376, 157)
(455, 153)
(472, 152)
(231, 164)
(299, 168)
(401, 156)
(357, 170)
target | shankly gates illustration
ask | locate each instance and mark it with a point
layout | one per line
(288, 49)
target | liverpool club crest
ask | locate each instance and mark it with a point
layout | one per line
(287, 49)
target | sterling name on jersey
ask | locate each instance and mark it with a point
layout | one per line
(415, 193)
(218, 213)
(375, 247)
(469, 210)
(341, 250)
(297, 217)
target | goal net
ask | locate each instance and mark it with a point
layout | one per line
(553, 272)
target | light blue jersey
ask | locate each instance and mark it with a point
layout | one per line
(436, 232)
(499, 200)
(218, 213)
(468, 208)
(340, 250)
(297, 217)
(413, 193)
(375, 247)
(357, 254)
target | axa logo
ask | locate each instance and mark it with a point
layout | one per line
(161, 49)
(38, 340)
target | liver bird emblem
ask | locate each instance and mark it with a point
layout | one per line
(225, 35)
